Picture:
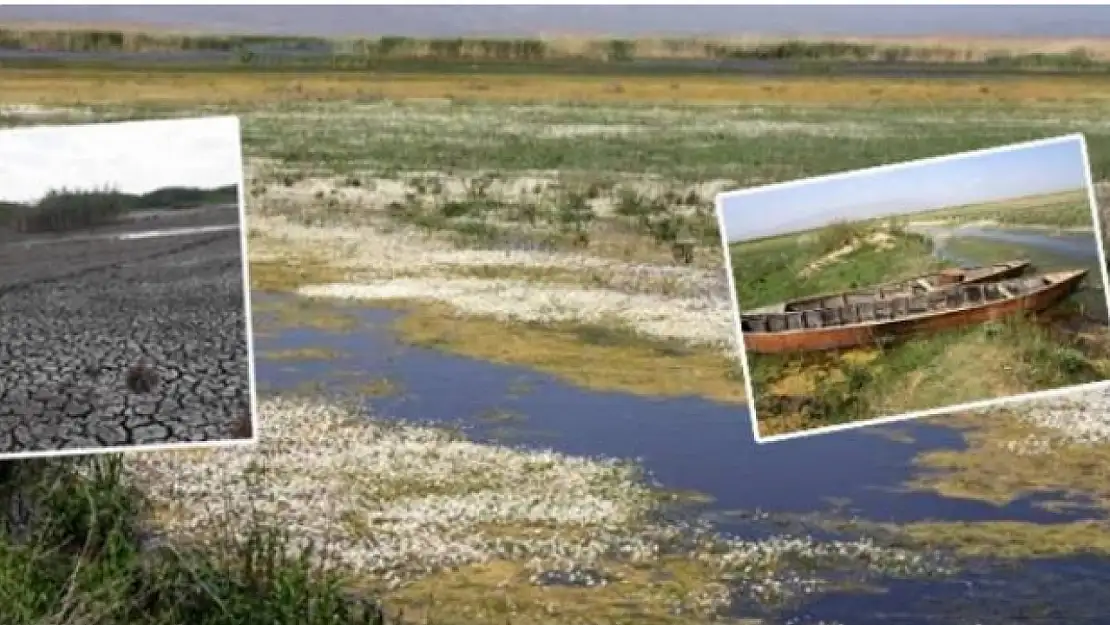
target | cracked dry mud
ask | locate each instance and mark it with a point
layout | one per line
(75, 316)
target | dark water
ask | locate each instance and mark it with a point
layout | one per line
(1049, 592)
(1069, 245)
(686, 443)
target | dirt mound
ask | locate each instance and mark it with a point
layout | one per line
(879, 239)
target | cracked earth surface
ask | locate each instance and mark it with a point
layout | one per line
(75, 316)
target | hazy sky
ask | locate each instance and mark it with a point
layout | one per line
(133, 157)
(1043, 168)
(1045, 20)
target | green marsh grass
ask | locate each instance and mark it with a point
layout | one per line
(774, 269)
(1068, 209)
(302, 354)
(592, 356)
(808, 390)
(1066, 475)
(80, 556)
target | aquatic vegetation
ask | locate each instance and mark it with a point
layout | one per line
(664, 316)
(475, 201)
(1068, 432)
(602, 357)
(363, 215)
(1056, 447)
(304, 353)
(1013, 539)
(401, 502)
(302, 314)
(693, 320)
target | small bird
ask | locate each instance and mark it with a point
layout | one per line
(142, 378)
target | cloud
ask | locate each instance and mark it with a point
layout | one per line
(1006, 172)
(133, 157)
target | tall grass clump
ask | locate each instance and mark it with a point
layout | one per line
(575, 215)
(186, 197)
(65, 209)
(10, 212)
(838, 235)
(73, 551)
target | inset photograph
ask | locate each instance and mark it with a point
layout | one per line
(919, 288)
(124, 319)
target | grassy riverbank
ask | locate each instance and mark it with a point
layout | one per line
(802, 391)
(826, 260)
(1067, 209)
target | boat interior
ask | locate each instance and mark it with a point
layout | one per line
(896, 304)
(908, 288)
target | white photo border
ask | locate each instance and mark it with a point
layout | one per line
(247, 311)
(720, 198)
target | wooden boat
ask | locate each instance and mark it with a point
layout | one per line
(880, 320)
(910, 286)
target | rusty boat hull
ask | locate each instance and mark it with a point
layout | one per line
(883, 320)
(910, 286)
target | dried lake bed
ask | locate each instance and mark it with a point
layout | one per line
(80, 311)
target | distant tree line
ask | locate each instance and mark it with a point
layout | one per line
(121, 41)
(353, 53)
(185, 197)
(64, 209)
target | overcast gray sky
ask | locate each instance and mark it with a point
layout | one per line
(1031, 20)
(982, 177)
(133, 157)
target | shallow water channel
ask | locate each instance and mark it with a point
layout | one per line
(1047, 251)
(697, 445)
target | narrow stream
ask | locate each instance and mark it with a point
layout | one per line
(1047, 251)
